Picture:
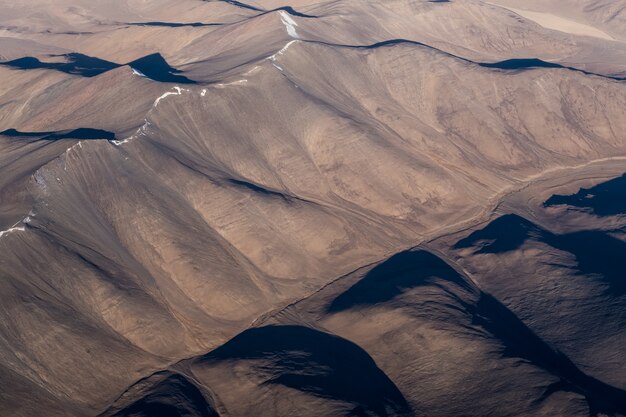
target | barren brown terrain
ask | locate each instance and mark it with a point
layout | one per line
(312, 208)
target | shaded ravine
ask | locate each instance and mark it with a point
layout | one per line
(242, 5)
(152, 66)
(297, 357)
(318, 363)
(411, 269)
(173, 24)
(516, 64)
(599, 255)
(287, 9)
(76, 64)
(291, 11)
(333, 364)
(155, 67)
(521, 342)
(165, 394)
(83, 133)
(447, 231)
(605, 199)
(377, 286)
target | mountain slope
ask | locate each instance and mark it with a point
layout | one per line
(196, 198)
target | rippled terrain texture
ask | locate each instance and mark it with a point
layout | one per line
(312, 208)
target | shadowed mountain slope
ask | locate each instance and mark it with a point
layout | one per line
(312, 362)
(562, 269)
(606, 199)
(77, 64)
(83, 133)
(209, 220)
(163, 394)
(152, 66)
(597, 254)
(415, 288)
(239, 242)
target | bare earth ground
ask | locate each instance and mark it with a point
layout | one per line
(314, 208)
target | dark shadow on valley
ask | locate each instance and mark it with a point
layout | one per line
(391, 278)
(516, 64)
(287, 9)
(317, 363)
(82, 133)
(598, 254)
(519, 341)
(504, 234)
(156, 68)
(257, 189)
(411, 269)
(167, 394)
(521, 63)
(172, 24)
(606, 199)
(293, 12)
(75, 63)
(243, 5)
(153, 66)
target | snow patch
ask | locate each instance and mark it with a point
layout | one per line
(140, 132)
(11, 230)
(169, 93)
(40, 181)
(274, 57)
(78, 144)
(238, 82)
(29, 218)
(289, 23)
(139, 73)
(123, 141)
(16, 227)
(282, 51)
(68, 150)
(252, 71)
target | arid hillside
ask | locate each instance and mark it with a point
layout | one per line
(314, 208)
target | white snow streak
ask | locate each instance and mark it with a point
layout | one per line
(139, 73)
(289, 23)
(68, 150)
(238, 82)
(121, 142)
(16, 228)
(78, 144)
(140, 132)
(11, 230)
(252, 71)
(282, 51)
(40, 181)
(169, 93)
